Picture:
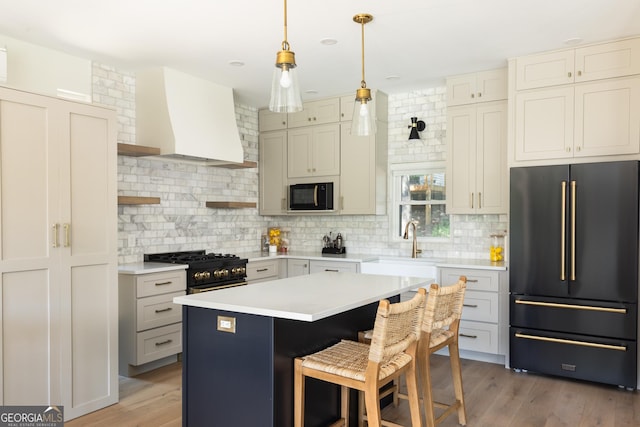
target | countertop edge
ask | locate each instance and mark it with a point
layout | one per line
(148, 267)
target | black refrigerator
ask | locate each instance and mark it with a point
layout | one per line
(573, 271)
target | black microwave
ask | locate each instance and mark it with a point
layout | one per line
(311, 197)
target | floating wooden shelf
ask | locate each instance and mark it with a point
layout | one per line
(232, 205)
(244, 165)
(137, 150)
(134, 200)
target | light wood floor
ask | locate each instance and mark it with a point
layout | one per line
(495, 397)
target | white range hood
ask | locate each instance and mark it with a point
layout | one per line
(186, 117)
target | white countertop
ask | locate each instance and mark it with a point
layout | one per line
(148, 267)
(309, 297)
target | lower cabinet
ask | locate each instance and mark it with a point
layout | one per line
(150, 323)
(264, 270)
(484, 324)
(297, 267)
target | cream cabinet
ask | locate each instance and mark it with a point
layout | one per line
(599, 118)
(483, 86)
(268, 120)
(484, 323)
(477, 159)
(58, 253)
(273, 173)
(316, 113)
(313, 151)
(297, 267)
(363, 168)
(150, 327)
(264, 270)
(317, 266)
(596, 62)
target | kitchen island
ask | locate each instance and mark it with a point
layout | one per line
(239, 344)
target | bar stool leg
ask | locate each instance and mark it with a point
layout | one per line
(427, 394)
(456, 372)
(298, 394)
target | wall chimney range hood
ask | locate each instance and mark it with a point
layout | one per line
(186, 117)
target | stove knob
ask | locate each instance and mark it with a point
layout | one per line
(217, 274)
(225, 273)
(197, 276)
(206, 275)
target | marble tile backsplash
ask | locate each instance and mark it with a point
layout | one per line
(182, 222)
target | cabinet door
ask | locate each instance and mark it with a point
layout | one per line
(268, 120)
(544, 124)
(607, 115)
(29, 264)
(299, 148)
(491, 85)
(615, 59)
(313, 151)
(461, 90)
(491, 158)
(546, 69)
(297, 267)
(461, 159)
(357, 179)
(273, 175)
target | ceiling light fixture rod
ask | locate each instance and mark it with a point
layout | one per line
(285, 93)
(363, 121)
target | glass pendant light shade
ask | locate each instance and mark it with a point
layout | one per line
(363, 122)
(285, 91)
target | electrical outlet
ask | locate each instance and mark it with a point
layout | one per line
(227, 324)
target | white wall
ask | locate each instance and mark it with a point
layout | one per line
(182, 222)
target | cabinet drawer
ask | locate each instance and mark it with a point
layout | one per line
(477, 336)
(342, 267)
(480, 306)
(160, 283)
(157, 311)
(158, 343)
(477, 280)
(262, 270)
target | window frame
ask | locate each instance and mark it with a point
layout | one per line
(396, 170)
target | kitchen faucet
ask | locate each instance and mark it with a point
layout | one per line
(414, 250)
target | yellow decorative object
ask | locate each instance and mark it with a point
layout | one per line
(274, 236)
(496, 250)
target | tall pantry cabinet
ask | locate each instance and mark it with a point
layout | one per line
(58, 253)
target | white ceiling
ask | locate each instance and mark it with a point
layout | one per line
(417, 41)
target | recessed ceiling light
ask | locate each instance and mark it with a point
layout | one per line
(392, 77)
(573, 41)
(236, 63)
(311, 91)
(328, 42)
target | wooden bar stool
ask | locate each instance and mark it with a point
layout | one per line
(440, 329)
(366, 368)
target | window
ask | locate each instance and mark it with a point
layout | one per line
(418, 193)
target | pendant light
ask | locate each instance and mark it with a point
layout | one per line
(285, 93)
(363, 121)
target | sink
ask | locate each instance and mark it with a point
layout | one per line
(398, 266)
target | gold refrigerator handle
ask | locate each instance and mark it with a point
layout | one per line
(563, 218)
(573, 231)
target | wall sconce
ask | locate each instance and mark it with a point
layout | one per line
(416, 126)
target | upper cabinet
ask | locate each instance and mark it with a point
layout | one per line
(316, 113)
(477, 144)
(268, 120)
(576, 105)
(483, 86)
(273, 173)
(313, 151)
(602, 61)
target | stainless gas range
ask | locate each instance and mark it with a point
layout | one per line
(206, 271)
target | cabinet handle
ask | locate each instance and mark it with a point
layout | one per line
(284, 123)
(67, 240)
(341, 202)
(158, 344)
(470, 305)
(471, 200)
(569, 74)
(579, 73)
(479, 94)
(283, 204)
(328, 269)
(164, 310)
(469, 336)
(578, 148)
(163, 283)
(314, 119)
(309, 119)
(262, 270)
(479, 200)
(472, 280)
(54, 228)
(473, 95)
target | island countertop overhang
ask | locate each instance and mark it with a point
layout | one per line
(307, 298)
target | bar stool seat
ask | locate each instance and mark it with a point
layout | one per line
(367, 367)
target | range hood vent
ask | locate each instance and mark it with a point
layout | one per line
(186, 117)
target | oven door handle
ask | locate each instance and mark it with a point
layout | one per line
(215, 288)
